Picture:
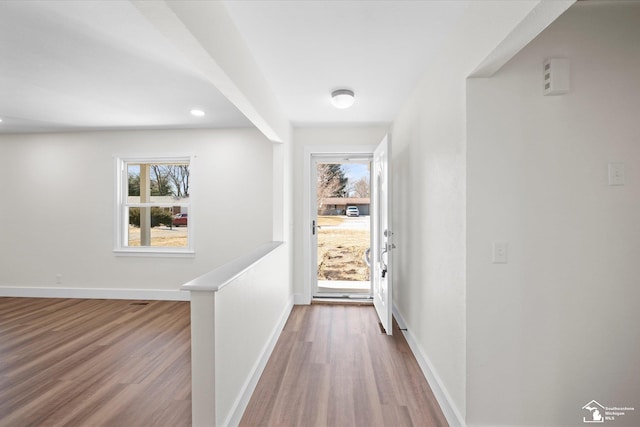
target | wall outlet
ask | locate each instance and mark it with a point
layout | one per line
(500, 252)
(58, 279)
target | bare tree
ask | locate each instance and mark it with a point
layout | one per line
(160, 185)
(330, 183)
(179, 175)
(361, 188)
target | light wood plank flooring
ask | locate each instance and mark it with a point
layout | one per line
(71, 362)
(332, 366)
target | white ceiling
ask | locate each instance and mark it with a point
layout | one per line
(379, 49)
(97, 65)
(73, 65)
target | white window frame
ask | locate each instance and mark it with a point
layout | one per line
(122, 206)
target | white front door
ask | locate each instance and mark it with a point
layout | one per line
(381, 254)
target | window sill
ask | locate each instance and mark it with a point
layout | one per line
(155, 253)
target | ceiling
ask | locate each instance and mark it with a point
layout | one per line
(73, 65)
(379, 49)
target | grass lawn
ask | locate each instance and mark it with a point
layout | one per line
(341, 252)
(329, 220)
(175, 237)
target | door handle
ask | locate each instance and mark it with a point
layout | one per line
(383, 264)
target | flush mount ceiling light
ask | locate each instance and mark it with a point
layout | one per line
(342, 98)
(197, 113)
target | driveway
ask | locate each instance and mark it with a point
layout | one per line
(352, 223)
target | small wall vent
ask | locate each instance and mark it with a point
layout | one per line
(555, 76)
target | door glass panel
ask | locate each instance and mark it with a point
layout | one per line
(344, 229)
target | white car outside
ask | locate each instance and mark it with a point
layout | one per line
(353, 211)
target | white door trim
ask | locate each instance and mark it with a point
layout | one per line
(309, 270)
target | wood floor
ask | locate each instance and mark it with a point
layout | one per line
(332, 366)
(71, 362)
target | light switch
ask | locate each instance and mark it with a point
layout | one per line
(616, 173)
(500, 252)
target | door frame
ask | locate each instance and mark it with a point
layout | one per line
(310, 267)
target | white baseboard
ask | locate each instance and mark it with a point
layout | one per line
(240, 404)
(451, 413)
(95, 293)
(300, 299)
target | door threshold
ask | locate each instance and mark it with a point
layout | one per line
(344, 299)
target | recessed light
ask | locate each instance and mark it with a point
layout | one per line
(197, 113)
(0, 119)
(342, 98)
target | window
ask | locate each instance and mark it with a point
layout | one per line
(154, 206)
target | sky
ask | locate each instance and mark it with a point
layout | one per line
(355, 171)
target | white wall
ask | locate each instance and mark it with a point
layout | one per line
(58, 206)
(558, 325)
(429, 172)
(429, 230)
(328, 136)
